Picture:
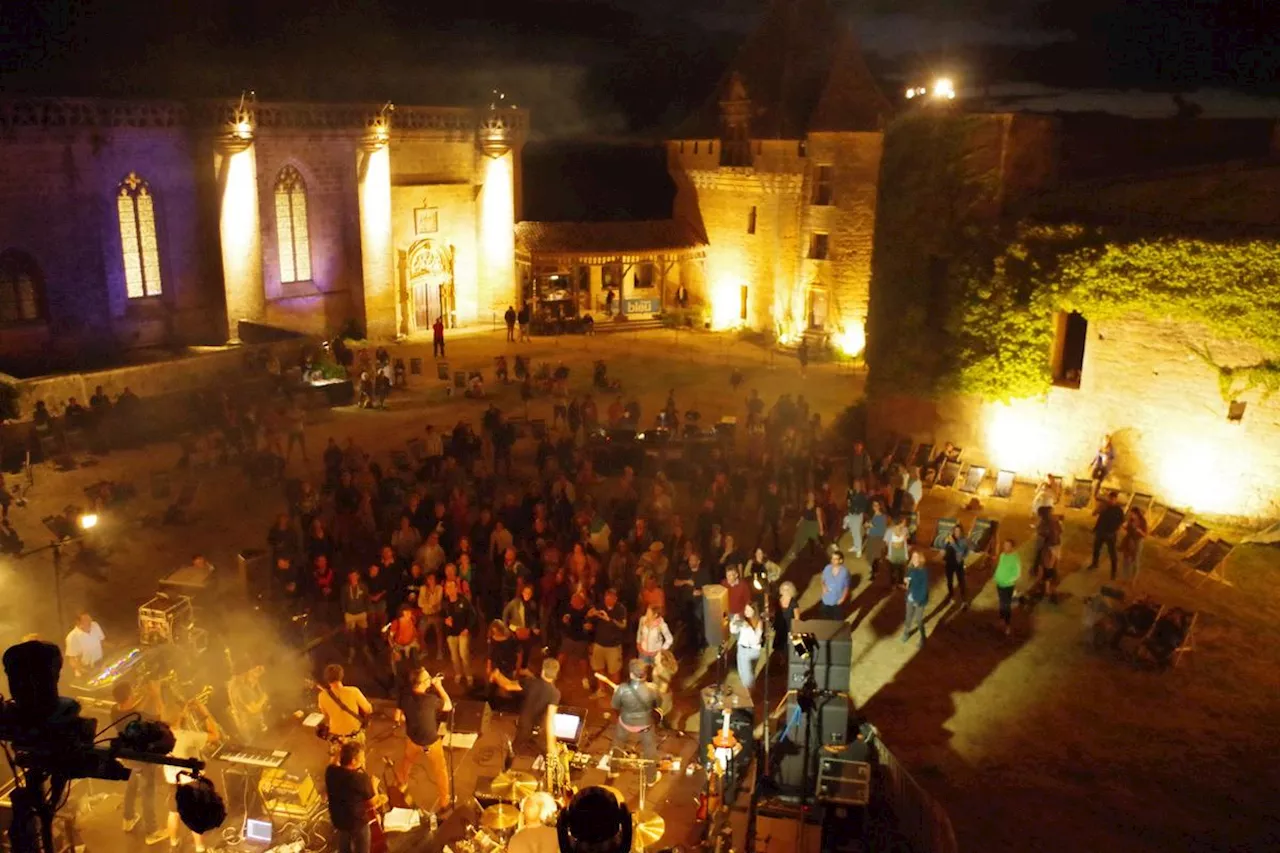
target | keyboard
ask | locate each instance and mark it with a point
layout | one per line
(254, 756)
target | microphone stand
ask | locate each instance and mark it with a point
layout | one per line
(453, 785)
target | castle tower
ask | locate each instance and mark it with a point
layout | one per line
(778, 171)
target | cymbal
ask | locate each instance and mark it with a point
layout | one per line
(650, 827)
(500, 817)
(513, 785)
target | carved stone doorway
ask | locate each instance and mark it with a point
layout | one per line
(430, 285)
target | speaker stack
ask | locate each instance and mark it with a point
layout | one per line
(830, 659)
(828, 735)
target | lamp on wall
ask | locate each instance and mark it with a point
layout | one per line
(495, 128)
(240, 128)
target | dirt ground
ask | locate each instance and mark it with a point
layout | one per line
(1031, 743)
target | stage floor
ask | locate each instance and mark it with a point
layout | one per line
(98, 805)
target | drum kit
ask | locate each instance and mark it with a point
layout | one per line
(499, 822)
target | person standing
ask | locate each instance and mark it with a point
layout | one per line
(355, 615)
(575, 649)
(809, 527)
(510, 318)
(873, 543)
(140, 789)
(1008, 570)
(1135, 534)
(421, 703)
(437, 338)
(955, 551)
(608, 626)
(346, 710)
(247, 700)
(1103, 461)
(855, 515)
(522, 319)
(917, 586)
(897, 549)
(609, 297)
(84, 644)
(802, 355)
(749, 630)
(1049, 535)
(835, 587)
(635, 703)
(459, 619)
(352, 799)
(538, 705)
(1110, 518)
(652, 636)
(786, 614)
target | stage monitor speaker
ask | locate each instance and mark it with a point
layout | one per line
(830, 733)
(835, 642)
(826, 676)
(470, 717)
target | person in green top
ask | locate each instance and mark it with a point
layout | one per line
(1008, 570)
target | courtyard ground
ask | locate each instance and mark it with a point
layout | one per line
(1031, 743)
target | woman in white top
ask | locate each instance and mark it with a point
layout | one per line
(750, 633)
(653, 636)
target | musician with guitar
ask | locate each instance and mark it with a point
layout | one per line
(353, 801)
(346, 711)
(636, 701)
(248, 702)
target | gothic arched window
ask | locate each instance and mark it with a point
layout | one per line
(21, 288)
(138, 237)
(291, 226)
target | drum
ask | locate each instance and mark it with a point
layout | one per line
(715, 605)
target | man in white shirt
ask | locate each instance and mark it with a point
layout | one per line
(84, 644)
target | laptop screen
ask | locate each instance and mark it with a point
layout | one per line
(257, 830)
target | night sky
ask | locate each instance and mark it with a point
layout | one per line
(593, 68)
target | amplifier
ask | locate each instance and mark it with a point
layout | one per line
(847, 783)
(835, 642)
(470, 717)
(826, 676)
(287, 793)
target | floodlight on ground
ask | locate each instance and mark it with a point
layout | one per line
(804, 645)
(944, 89)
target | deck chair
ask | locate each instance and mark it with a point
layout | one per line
(1169, 523)
(442, 371)
(941, 531)
(415, 367)
(1004, 484)
(1171, 635)
(1190, 537)
(973, 479)
(460, 380)
(982, 534)
(923, 456)
(1207, 562)
(1081, 493)
(949, 474)
(1142, 502)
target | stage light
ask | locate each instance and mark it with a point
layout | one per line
(944, 88)
(804, 645)
(852, 340)
(88, 521)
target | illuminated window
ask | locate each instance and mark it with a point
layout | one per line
(646, 275)
(751, 220)
(819, 246)
(21, 290)
(138, 238)
(1235, 413)
(1071, 333)
(291, 227)
(611, 275)
(822, 185)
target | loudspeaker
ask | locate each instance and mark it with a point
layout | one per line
(470, 717)
(255, 572)
(835, 641)
(826, 676)
(830, 728)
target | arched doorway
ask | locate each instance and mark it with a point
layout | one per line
(430, 285)
(817, 306)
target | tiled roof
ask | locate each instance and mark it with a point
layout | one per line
(802, 70)
(567, 238)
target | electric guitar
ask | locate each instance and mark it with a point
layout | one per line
(658, 713)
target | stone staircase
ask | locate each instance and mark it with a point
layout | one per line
(634, 324)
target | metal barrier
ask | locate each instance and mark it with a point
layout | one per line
(921, 820)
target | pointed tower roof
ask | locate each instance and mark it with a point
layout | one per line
(802, 70)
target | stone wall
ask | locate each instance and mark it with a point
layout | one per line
(456, 217)
(58, 204)
(1142, 385)
(327, 163)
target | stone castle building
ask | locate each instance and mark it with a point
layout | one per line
(129, 225)
(778, 173)
(1190, 424)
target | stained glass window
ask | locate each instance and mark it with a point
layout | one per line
(138, 238)
(291, 226)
